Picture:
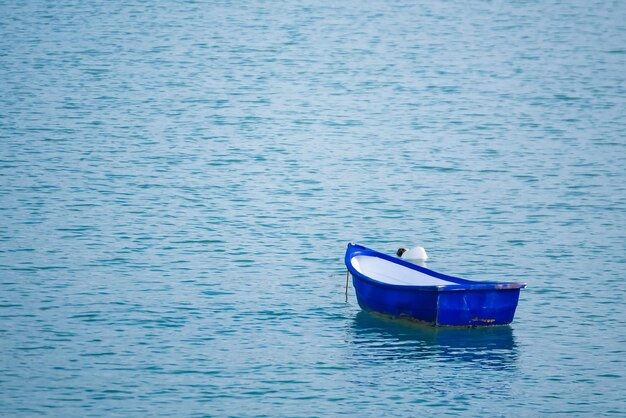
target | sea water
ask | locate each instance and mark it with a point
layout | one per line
(179, 180)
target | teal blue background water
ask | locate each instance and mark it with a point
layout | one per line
(179, 181)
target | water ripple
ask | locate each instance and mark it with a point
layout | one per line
(179, 183)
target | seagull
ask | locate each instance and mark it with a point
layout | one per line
(414, 254)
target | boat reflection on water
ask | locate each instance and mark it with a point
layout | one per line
(380, 338)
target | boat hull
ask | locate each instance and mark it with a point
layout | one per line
(464, 303)
(455, 308)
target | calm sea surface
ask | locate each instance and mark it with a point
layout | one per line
(179, 180)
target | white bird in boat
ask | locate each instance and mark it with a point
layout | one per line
(414, 254)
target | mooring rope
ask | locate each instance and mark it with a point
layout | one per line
(347, 278)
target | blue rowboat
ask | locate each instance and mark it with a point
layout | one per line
(395, 287)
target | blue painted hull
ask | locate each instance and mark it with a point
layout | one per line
(458, 302)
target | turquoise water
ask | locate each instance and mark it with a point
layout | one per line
(179, 181)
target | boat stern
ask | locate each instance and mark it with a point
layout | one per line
(477, 307)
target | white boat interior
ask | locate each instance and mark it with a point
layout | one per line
(392, 273)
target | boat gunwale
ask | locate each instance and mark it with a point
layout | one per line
(355, 250)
